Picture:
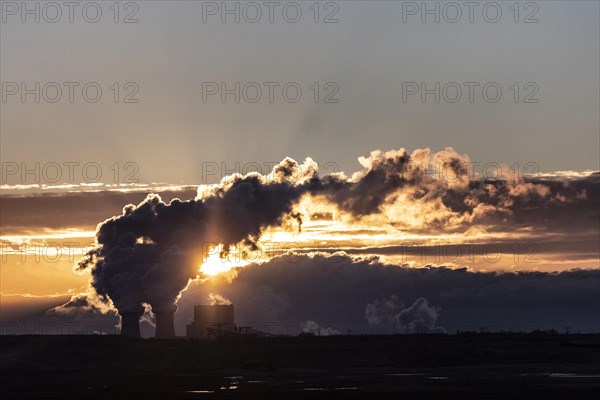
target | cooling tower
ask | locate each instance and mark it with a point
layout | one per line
(165, 328)
(130, 324)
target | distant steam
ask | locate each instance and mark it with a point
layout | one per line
(418, 318)
(313, 328)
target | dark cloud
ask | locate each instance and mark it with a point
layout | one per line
(35, 212)
(366, 295)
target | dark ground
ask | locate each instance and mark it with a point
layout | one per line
(464, 366)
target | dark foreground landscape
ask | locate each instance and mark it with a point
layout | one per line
(467, 366)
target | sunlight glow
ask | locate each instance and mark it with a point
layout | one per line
(213, 263)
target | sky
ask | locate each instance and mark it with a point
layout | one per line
(367, 54)
(169, 98)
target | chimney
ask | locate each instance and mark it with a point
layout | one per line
(165, 328)
(130, 324)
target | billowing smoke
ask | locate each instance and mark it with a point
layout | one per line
(150, 253)
(447, 189)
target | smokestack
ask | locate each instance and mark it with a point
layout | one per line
(165, 328)
(130, 324)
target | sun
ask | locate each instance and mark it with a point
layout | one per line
(214, 264)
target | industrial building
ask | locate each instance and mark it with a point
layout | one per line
(216, 321)
(208, 319)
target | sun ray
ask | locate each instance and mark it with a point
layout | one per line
(214, 264)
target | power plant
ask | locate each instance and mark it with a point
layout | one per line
(210, 322)
(130, 323)
(216, 322)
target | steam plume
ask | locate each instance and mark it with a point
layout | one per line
(150, 253)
